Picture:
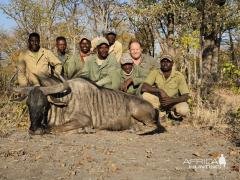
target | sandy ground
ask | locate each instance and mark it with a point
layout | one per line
(118, 155)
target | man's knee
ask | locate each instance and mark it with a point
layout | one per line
(182, 109)
(154, 100)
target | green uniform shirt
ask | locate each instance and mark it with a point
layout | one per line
(71, 64)
(148, 63)
(174, 85)
(137, 76)
(106, 75)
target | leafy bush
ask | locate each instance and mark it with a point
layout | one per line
(231, 76)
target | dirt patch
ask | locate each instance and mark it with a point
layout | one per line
(117, 155)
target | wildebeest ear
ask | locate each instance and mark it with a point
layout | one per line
(18, 99)
(23, 92)
(55, 101)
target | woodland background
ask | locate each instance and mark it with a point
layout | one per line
(202, 35)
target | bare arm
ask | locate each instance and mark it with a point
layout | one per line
(147, 88)
(21, 72)
(171, 101)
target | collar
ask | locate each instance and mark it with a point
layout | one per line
(173, 73)
(111, 48)
(127, 74)
(105, 61)
(142, 59)
(84, 55)
(40, 53)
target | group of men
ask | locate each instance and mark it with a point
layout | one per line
(102, 61)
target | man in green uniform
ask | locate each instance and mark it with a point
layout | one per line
(144, 62)
(71, 62)
(102, 68)
(170, 92)
(85, 47)
(131, 76)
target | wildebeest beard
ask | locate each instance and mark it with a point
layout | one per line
(38, 107)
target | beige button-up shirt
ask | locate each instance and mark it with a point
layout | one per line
(32, 66)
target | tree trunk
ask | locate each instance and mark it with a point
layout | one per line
(207, 56)
(232, 47)
(214, 68)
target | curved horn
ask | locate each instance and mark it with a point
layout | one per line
(56, 101)
(55, 88)
(22, 90)
(59, 76)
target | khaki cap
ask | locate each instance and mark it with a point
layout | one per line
(126, 59)
(166, 56)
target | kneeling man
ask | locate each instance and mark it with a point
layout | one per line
(167, 89)
(131, 76)
(102, 68)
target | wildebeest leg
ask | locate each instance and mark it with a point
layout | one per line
(77, 122)
(136, 126)
(143, 112)
(146, 118)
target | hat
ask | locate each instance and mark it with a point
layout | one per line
(126, 59)
(101, 40)
(166, 56)
(84, 37)
(110, 32)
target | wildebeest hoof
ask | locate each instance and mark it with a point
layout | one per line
(39, 131)
(89, 130)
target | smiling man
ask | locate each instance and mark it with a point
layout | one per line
(144, 62)
(36, 63)
(85, 47)
(170, 92)
(102, 68)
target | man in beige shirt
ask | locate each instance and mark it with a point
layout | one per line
(37, 64)
(115, 47)
(168, 89)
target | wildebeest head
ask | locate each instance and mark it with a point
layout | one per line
(38, 104)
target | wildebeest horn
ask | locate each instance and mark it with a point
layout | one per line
(46, 90)
(56, 101)
(59, 76)
(22, 90)
(55, 88)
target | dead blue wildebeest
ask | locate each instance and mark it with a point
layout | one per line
(77, 104)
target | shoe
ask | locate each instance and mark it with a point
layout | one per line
(175, 116)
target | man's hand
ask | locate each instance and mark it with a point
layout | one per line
(162, 93)
(164, 99)
(126, 84)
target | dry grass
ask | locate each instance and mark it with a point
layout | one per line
(12, 115)
(219, 112)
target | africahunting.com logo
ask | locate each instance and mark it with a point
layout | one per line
(209, 163)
